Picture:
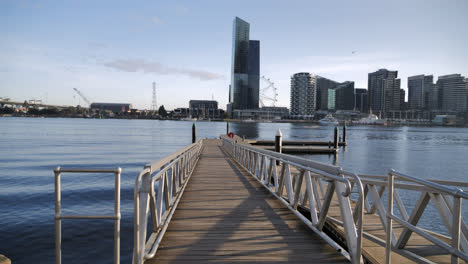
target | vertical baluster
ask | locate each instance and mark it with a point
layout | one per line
(457, 202)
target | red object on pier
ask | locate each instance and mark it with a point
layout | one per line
(231, 135)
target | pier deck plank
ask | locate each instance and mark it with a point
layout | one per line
(226, 216)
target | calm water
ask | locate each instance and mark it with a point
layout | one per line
(31, 148)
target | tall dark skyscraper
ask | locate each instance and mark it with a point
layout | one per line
(452, 93)
(254, 74)
(383, 91)
(419, 88)
(361, 100)
(245, 73)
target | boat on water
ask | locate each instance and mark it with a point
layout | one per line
(188, 119)
(328, 120)
(370, 120)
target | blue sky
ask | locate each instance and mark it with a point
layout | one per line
(112, 51)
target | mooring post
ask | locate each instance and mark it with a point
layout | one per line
(194, 133)
(227, 128)
(278, 142)
(335, 138)
(344, 133)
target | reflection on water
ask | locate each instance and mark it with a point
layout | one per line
(31, 148)
(245, 129)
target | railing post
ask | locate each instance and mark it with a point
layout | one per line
(118, 216)
(456, 226)
(227, 128)
(58, 221)
(388, 244)
(143, 198)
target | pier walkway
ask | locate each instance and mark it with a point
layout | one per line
(225, 215)
(221, 200)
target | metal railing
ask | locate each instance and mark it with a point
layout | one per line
(448, 202)
(171, 176)
(58, 216)
(298, 182)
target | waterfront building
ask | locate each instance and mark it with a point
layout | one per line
(403, 103)
(180, 112)
(303, 95)
(344, 96)
(245, 68)
(453, 92)
(383, 90)
(324, 87)
(433, 99)
(419, 89)
(114, 107)
(253, 93)
(332, 95)
(264, 113)
(361, 100)
(204, 109)
(392, 98)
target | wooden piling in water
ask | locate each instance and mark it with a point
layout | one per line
(335, 138)
(227, 128)
(344, 133)
(278, 142)
(194, 133)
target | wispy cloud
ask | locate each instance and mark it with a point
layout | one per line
(156, 20)
(180, 9)
(97, 45)
(141, 65)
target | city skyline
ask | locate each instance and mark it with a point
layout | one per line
(116, 53)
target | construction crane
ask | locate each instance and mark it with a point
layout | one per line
(82, 96)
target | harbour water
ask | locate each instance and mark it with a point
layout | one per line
(31, 147)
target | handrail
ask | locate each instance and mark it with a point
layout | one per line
(58, 216)
(171, 174)
(255, 161)
(435, 186)
(450, 209)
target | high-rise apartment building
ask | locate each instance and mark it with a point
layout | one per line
(452, 92)
(332, 95)
(403, 103)
(303, 94)
(245, 68)
(419, 89)
(344, 96)
(361, 101)
(383, 91)
(392, 98)
(323, 88)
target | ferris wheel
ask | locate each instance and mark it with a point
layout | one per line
(268, 92)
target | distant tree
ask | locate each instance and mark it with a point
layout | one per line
(7, 110)
(33, 111)
(162, 111)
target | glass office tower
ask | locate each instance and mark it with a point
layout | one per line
(245, 70)
(254, 74)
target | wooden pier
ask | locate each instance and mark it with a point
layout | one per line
(302, 149)
(230, 202)
(226, 216)
(295, 143)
